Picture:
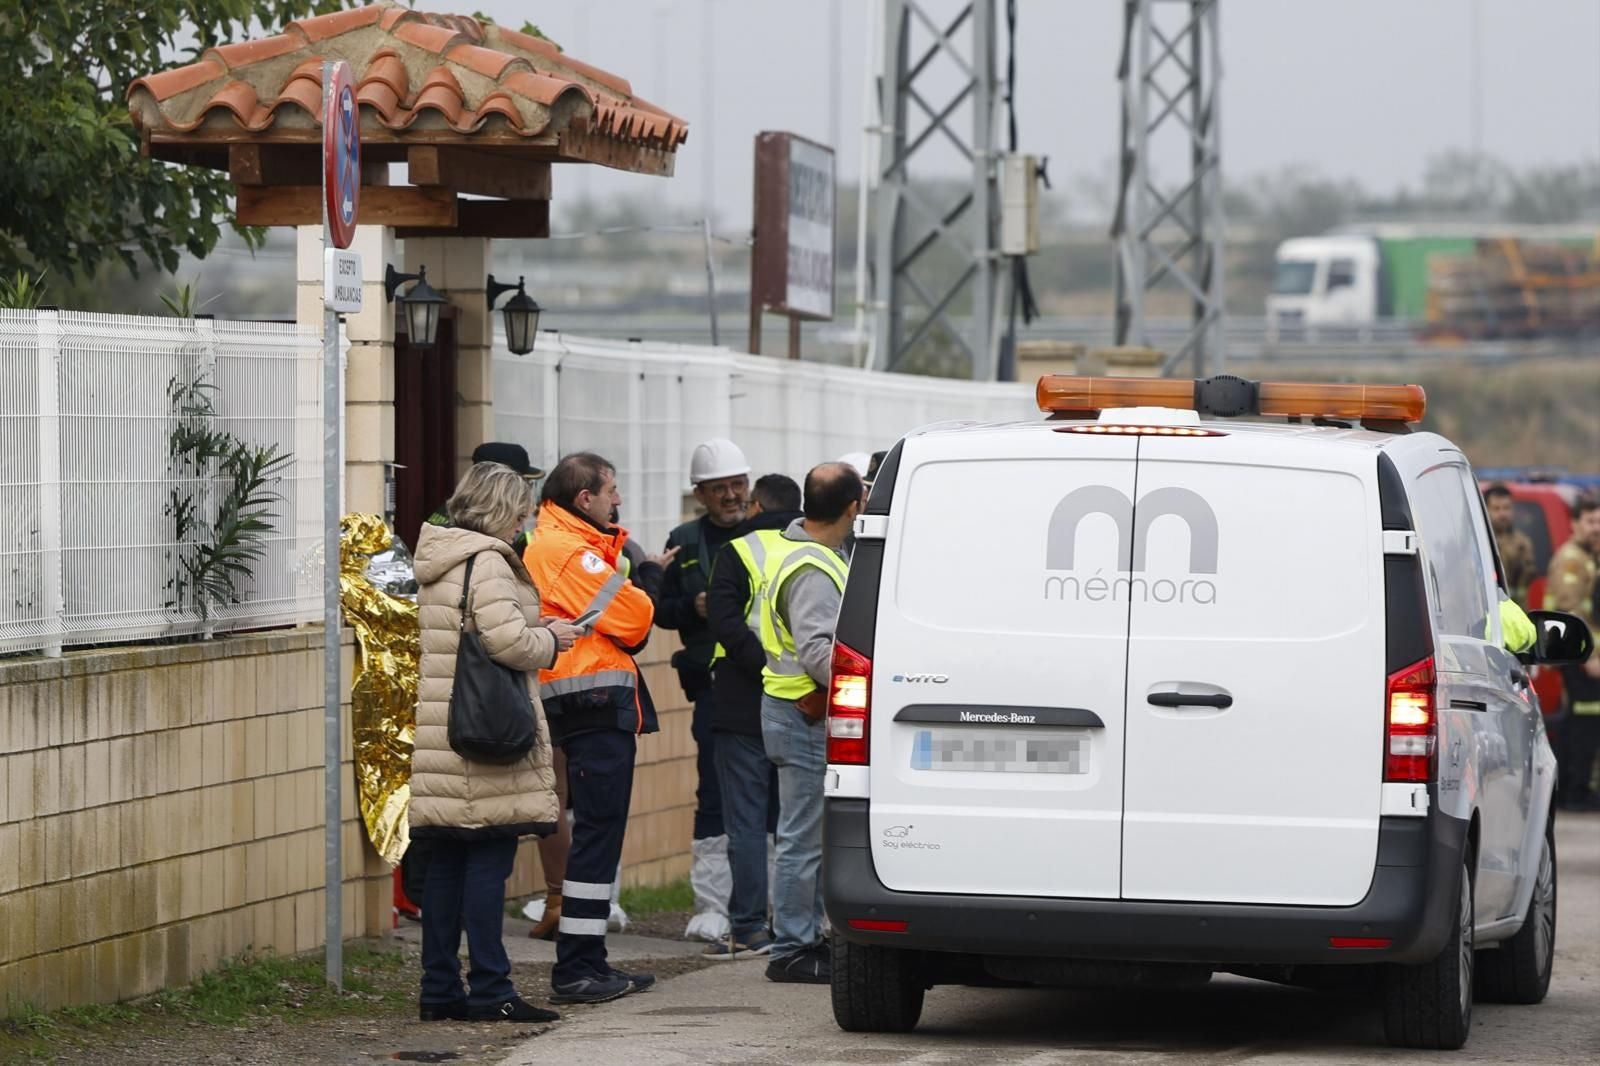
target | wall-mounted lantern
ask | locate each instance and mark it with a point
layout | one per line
(521, 311)
(421, 305)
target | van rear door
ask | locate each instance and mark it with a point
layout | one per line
(999, 666)
(1255, 672)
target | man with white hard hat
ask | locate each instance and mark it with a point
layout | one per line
(720, 475)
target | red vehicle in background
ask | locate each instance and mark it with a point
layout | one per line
(1544, 513)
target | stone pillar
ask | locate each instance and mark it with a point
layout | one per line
(369, 373)
(458, 267)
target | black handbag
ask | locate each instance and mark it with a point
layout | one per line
(491, 717)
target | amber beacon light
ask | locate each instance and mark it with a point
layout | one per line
(1226, 396)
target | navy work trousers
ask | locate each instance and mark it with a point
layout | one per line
(466, 890)
(599, 788)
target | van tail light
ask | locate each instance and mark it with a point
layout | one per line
(1413, 724)
(849, 703)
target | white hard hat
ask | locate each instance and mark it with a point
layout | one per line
(860, 460)
(716, 459)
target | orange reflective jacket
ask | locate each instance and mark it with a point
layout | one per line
(594, 684)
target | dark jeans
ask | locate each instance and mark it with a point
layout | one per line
(707, 792)
(599, 787)
(466, 889)
(750, 793)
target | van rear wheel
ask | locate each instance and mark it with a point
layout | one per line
(1518, 971)
(875, 989)
(1429, 1005)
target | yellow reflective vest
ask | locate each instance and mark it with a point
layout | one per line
(752, 550)
(784, 677)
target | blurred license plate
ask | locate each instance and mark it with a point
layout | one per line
(994, 751)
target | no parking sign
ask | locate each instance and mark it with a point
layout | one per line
(341, 155)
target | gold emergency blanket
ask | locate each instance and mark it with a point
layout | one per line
(383, 692)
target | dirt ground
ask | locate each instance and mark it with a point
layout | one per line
(386, 1031)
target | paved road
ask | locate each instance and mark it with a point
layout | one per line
(728, 1014)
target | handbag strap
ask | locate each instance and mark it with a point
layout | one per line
(466, 584)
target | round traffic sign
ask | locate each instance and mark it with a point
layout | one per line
(341, 155)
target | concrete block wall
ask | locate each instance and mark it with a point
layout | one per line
(161, 810)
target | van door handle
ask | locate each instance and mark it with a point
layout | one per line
(1469, 705)
(1219, 700)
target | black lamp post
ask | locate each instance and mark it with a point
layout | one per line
(521, 311)
(421, 305)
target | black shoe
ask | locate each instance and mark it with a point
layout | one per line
(637, 982)
(454, 1011)
(808, 967)
(515, 1009)
(591, 989)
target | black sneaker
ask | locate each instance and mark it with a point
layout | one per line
(591, 989)
(637, 982)
(515, 1009)
(453, 1011)
(808, 967)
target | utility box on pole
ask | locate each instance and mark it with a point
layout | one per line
(1019, 204)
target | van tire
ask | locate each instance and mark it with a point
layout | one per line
(875, 989)
(1518, 970)
(1429, 1005)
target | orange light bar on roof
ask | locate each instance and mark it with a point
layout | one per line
(1227, 396)
(1391, 403)
(1061, 392)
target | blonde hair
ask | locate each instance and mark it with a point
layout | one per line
(490, 499)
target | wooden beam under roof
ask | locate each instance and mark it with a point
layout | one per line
(301, 205)
(506, 219)
(482, 173)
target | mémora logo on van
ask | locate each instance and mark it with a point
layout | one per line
(1131, 582)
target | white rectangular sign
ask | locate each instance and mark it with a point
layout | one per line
(811, 200)
(341, 281)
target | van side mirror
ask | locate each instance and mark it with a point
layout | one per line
(1564, 639)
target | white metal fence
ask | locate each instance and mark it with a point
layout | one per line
(646, 405)
(92, 477)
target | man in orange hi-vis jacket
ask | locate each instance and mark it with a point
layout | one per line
(594, 704)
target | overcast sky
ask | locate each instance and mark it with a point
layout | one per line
(1365, 89)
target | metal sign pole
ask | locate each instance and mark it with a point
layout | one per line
(332, 413)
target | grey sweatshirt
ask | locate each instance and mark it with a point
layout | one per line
(809, 604)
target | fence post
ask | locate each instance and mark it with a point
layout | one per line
(53, 605)
(207, 372)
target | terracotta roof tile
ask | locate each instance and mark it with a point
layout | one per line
(426, 35)
(246, 52)
(412, 69)
(322, 27)
(480, 60)
(170, 83)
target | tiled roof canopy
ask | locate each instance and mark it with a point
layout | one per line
(422, 79)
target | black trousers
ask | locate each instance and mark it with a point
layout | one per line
(600, 788)
(1580, 743)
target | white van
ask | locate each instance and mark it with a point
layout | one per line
(1130, 696)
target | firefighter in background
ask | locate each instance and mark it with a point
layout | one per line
(720, 475)
(1516, 550)
(1572, 587)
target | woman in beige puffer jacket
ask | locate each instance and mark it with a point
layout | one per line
(466, 816)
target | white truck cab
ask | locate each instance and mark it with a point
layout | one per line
(1325, 286)
(1135, 695)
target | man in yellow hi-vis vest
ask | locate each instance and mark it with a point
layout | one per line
(747, 778)
(804, 575)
